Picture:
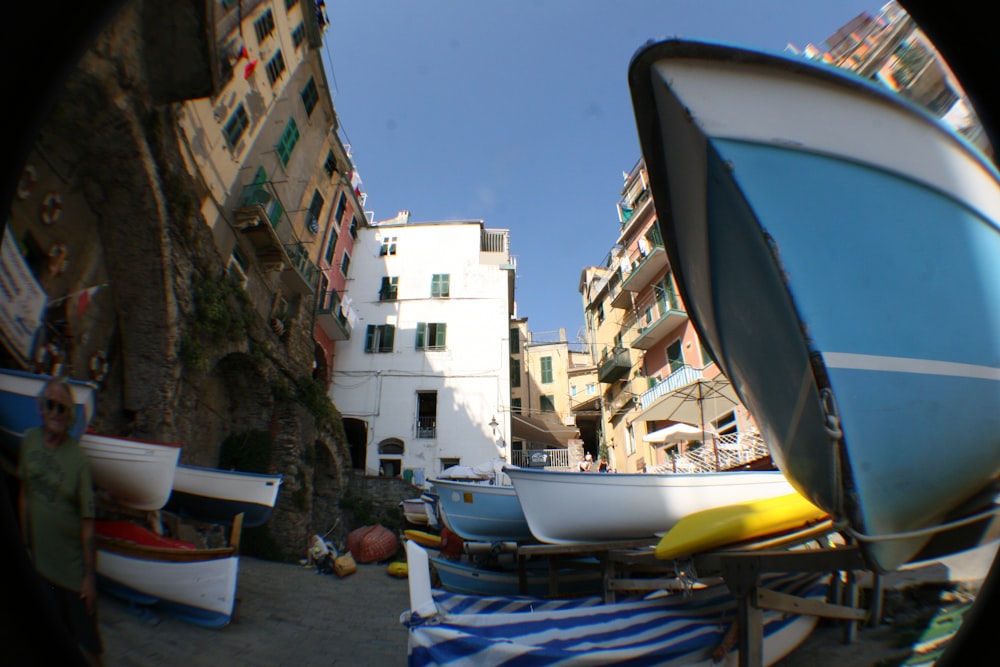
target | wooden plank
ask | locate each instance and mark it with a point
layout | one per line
(767, 599)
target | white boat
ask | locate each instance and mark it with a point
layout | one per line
(137, 473)
(217, 496)
(579, 507)
(19, 410)
(415, 511)
(846, 224)
(480, 511)
(670, 629)
(198, 585)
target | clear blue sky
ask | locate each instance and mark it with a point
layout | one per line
(518, 113)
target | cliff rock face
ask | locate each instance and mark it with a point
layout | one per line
(188, 358)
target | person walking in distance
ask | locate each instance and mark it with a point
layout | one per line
(57, 510)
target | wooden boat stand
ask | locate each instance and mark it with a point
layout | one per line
(632, 566)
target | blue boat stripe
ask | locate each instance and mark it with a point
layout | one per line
(871, 362)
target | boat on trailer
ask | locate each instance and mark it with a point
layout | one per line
(579, 508)
(214, 495)
(148, 569)
(481, 511)
(137, 473)
(844, 222)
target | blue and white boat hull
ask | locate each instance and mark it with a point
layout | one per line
(838, 250)
(482, 512)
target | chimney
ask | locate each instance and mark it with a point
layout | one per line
(403, 217)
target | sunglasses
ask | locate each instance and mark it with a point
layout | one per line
(58, 406)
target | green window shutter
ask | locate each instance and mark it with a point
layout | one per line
(421, 335)
(388, 338)
(546, 370)
(440, 336)
(370, 338)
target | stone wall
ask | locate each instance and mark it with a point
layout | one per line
(115, 148)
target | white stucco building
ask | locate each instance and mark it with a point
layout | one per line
(424, 382)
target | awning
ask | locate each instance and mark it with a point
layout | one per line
(545, 430)
(699, 402)
(678, 433)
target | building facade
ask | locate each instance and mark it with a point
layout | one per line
(278, 186)
(424, 383)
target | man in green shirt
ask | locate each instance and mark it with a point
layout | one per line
(57, 515)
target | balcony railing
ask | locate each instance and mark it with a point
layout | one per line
(545, 458)
(662, 320)
(644, 267)
(426, 427)
(614, 365)
(726, 452)
(681, 377)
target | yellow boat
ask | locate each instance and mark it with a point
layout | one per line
(399, 569)
(423, 538)
(721, 526)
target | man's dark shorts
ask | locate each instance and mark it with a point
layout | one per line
(82, 625)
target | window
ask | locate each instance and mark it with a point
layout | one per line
(275, 66)
(238, 267)
(388, 246)
(286, 144)
(315, 208)
(591, 389)
(515, 341)
(431, 335)
(390, 463)
(515, 405)
(439, 284)
(330, 165)
(547, 403)
(546, 370)
(426, 414)
(310, 96)
(600, 313)
(572, 390)
(378, 338)
(331, 246)
(706, 354)
(515, 372)
(389, 289)
(339, 212)
(264, 26)
(675, 357)
(345, 264)
(236, 125)
(298, 35)
(726, 424)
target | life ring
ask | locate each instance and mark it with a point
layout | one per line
(51, 207)
(99, 367)
(48, 356)
(58, 256)
(27, 182)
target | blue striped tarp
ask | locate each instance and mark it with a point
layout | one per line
(674, 629)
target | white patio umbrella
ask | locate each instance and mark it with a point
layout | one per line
(680, 432)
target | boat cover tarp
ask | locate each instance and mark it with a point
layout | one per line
(682, 628)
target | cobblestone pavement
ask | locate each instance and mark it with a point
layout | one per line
(285, 614)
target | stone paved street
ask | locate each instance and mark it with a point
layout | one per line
(285, 615)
